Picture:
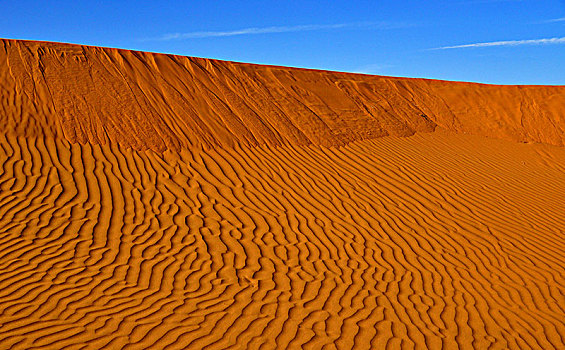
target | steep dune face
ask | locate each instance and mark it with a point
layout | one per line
(151, 201)
(155, 101)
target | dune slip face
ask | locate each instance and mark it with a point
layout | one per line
(155, 101)
(153, 201)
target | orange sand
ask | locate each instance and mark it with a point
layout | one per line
(157, 201)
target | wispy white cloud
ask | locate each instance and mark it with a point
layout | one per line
(546, 41)
(487, 1)
(375, 68)
(277, 29)
(554, 20)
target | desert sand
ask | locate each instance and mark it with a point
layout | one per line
(152, 201)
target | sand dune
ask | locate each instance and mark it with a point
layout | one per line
(154, 101)
(153, 201)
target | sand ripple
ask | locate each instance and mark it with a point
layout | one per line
(429, 241)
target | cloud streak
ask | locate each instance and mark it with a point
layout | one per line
(546, 41)
(372, 68)
(555, 20)
(276, 29)
(486, 1)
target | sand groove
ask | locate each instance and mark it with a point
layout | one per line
(372, 245)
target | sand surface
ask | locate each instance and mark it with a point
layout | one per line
(153, 201)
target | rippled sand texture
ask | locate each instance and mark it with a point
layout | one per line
(372, 245)
(218, 241)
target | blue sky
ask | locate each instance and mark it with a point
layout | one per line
(489, 41)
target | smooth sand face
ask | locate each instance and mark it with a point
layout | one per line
(158, 102)
(114, 236)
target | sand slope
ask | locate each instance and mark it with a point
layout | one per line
(205, 235)
(374, 244)
(155, 101)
